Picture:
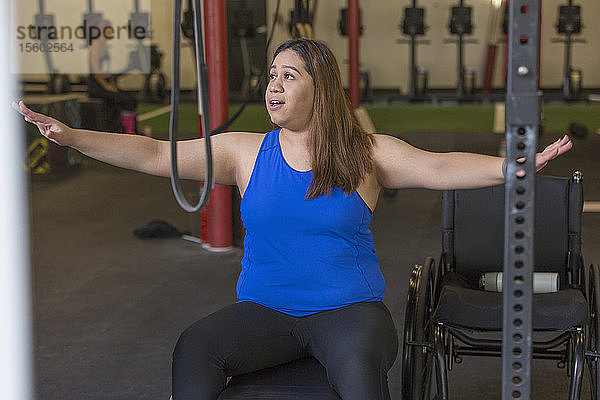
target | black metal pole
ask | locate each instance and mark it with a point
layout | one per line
(522, 125)
(461, 67)
(45, 20)
(461, 64)
(567, 77)
(413, 65)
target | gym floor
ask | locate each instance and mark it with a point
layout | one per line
(108, 307)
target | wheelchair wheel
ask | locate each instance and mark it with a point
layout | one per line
(417, 359)
(594, 330)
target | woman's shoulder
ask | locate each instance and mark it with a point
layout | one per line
(243, 140)
(245, 145)
(390, 154)
(384, 144)
(383, 138)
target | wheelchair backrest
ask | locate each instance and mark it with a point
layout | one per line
(473, 227)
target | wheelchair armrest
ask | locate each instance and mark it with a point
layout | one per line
(446, 263)
(576, 271)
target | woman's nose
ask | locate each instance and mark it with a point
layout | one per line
(275, 85)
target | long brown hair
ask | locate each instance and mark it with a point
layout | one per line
(339, 148)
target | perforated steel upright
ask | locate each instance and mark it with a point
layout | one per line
(523, 103)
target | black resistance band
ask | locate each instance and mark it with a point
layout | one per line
(202, 78)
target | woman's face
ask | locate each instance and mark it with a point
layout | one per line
(290, 92)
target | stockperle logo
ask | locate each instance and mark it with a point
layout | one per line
(67, 37)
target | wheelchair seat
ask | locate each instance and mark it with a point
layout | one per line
(463, 306)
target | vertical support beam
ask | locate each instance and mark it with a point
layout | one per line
(413, 61)
(353, 24)
(219, 220)
(413, 66)
(204, 212)
(506, 45)
(496, 18)
(522, 124)
(15, 336)
(540, 5)
(460, 85)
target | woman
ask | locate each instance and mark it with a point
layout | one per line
(310, 282)
(102, 85)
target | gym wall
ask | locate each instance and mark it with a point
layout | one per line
(386, 60)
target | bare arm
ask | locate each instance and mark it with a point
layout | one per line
(141, 153)
(400, 165)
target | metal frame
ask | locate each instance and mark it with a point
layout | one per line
(522, 126)
(568, 91)
(461, 42)
(413, 42)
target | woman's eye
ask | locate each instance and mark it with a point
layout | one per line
(272, 76)
(288, 76)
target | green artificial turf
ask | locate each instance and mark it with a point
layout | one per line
(468, 118)
(432, 118)
(253, 119)
(558, 117)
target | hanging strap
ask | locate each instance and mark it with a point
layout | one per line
(202, 79)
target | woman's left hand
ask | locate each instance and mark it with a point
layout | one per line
(552, 151)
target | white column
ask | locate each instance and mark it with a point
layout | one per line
(15, 312)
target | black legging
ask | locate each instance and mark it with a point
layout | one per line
(356, 344)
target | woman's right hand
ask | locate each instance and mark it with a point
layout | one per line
(52, 129)
(111, 87)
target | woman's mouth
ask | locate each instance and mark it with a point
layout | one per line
(275, 104)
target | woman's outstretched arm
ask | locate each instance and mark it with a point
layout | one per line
(141, 153)
(400, 165)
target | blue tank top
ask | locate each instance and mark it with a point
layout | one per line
(303, 256)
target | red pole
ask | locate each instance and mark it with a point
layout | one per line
(496, 18)
(489, 68)
(219, 222)
(353, 25)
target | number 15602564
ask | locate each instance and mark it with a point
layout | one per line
(30, 47)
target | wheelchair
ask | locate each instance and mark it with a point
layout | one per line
(448, 316)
